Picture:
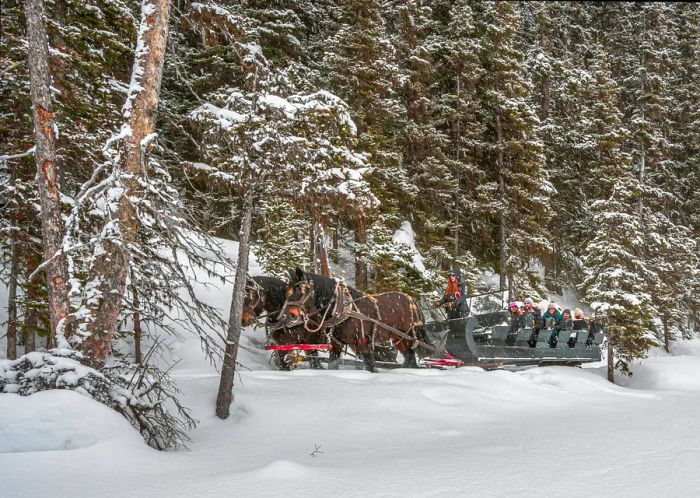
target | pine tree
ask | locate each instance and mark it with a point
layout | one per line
(518, 189)
(360, 48)
(614, 268)
(457, 51)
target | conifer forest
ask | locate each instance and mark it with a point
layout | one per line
(152, 149)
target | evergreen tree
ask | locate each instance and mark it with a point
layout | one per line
(614, 268)
(360, 48)
(518, 188)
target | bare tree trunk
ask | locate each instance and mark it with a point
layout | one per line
(322, 251)
(336, 243)
(111, 265)
(47, 170)
(137, 326)
(502, 212)
(667, 335)
(360, 241)
(312, 244)
(456, 207)
(12, 303)
(228, 369)
(31, 320)
(29, 330)
(611, 360)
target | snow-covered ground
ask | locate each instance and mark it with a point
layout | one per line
(551, 431)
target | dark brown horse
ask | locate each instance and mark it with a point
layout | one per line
(320, 305)
(263, 295)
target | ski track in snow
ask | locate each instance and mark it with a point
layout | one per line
(551, 431)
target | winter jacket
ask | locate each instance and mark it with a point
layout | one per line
(460, 307)
(565, 323)
(556, 316)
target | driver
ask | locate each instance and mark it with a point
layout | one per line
(455, 295)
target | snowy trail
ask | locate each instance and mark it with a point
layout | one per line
(551, 431)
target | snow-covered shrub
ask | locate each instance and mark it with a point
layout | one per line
(141, 394)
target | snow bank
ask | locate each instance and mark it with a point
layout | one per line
(677, 371)
(60, 420)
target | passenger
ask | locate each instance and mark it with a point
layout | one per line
(580, 322)
(533, 315)
(551, 319)
(566, 323)
(552, 314)
(456, 295)
(538, 324)
(513, 308)
(515, 315)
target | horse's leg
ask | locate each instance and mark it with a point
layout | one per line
(334, 357)
(368, 357)
(409, 356)
(314, 362)
(364, 349)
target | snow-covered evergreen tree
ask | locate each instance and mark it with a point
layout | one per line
(613, 262)
(518, 187)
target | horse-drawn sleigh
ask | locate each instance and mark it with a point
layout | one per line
(317, 313)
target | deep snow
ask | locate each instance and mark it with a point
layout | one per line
(551, 431)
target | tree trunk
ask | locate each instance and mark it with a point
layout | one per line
(322, 251)
(360, 241)
(667, 335)
(228, 369)
(137, 326)
(503, 256)
(336, 243)
(29, 330)
(458, 141)
(12, 303)
(112, 262)
(312, 244)
(47, 170)
(31, 315)
(611, 360)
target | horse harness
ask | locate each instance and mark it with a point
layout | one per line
(343, 307)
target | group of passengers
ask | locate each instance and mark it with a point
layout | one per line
(530, 315)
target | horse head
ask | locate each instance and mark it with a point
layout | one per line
(300, 298)
(253, 302)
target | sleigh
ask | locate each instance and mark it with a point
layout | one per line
(484, 341)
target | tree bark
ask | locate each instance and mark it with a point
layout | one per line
(31, 296)
(228, 369)
(458, 141)
(336, 243)
(312, 244)
(667, 335)
(12, 304)
(503, 256)
(322, 251)
(47, 170)
(111, 265)
(137, 326)
(611, 360)
(360, 241)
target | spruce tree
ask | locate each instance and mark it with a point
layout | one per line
(614, 267)
(518, 188)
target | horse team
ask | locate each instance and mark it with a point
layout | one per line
(316, 309)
